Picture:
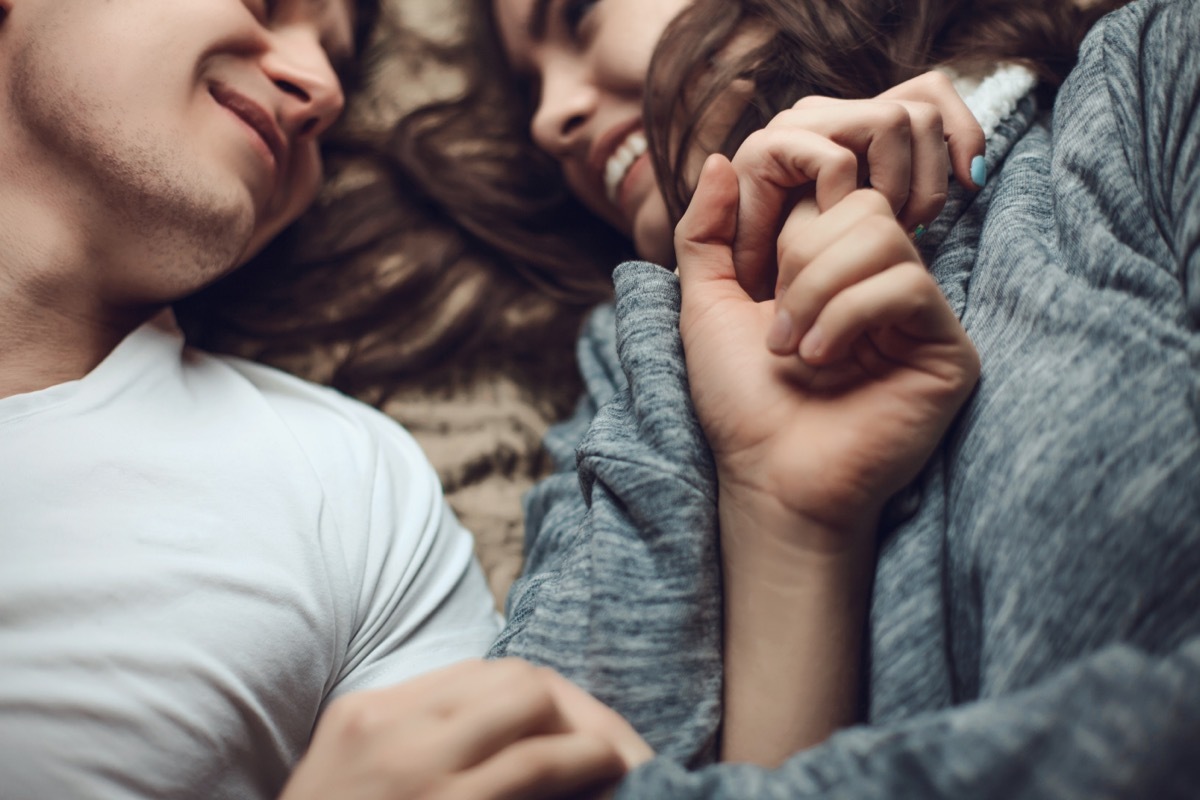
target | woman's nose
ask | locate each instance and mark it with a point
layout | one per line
(568, 101)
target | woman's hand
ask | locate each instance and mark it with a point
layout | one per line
(884, 363)
(902, 143)
(488, 730)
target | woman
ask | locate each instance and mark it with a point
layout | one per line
(1034, 598)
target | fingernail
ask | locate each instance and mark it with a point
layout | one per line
(780, 335)
(979, 171)
(917, 233)
(812, 344)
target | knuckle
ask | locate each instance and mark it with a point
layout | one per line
(936, 82)
(352, 717)
(918, 282)
(810, 101)
(757, 141)
(516, 670)
(841, 158)
(541, 708)
(926, 117)
(787, 118)
(894, 115)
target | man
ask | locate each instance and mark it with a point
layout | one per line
(200, 554)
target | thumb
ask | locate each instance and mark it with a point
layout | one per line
(704, 236)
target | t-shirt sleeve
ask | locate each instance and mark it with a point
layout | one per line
(419, 597)
(405, 592)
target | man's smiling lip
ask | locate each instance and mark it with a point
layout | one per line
(256, 117)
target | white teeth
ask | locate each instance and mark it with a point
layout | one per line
(619, 163)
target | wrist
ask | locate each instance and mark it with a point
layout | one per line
(790, 555)
(756, 520)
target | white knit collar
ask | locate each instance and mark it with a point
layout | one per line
(995, 96)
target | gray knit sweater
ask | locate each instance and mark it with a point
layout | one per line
(1035, 619)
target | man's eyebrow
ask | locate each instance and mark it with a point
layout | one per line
(538, 19)
(339, 39)
(340, 44)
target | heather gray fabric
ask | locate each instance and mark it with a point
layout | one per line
(1035, 622)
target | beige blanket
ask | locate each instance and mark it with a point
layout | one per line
(482, 428)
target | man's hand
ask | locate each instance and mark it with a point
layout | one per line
(478, 730)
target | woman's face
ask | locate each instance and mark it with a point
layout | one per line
(587, 61)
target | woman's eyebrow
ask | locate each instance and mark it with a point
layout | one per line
(538, 19)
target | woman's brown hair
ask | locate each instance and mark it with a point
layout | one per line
(837, 48)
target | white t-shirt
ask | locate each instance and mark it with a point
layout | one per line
(196, 555)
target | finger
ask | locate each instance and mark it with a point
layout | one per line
(904, 297)
(770, 164)
(704, 236)
(493, 719)
(964, 137)
(901, 142)
(874, 244)
(805, 235)
(879, 132)
(929, 187)
(359, 715)
(542, 767)
(585, 713)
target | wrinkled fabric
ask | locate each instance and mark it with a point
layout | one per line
(1035, 619)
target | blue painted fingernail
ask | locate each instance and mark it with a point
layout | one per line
(979, 171)
(917, 233)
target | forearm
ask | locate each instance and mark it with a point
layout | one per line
(796, 597)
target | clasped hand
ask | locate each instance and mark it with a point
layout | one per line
(478, 730)
(830, 394)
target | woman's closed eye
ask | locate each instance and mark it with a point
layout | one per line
(261, 9)
(575, 13)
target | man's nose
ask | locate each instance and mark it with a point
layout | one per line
(299, 66)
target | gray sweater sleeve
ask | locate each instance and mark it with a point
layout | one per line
(1155, 101)
(1118, 724)
(621, 590)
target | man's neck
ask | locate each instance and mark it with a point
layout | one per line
(40, 348)
(53, 326)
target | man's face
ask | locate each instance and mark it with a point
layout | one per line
(198, 118)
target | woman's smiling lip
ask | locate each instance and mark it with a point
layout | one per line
(256, 118)
(605, 146)
(625, 191)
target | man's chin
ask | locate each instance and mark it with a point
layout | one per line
(259, 239)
